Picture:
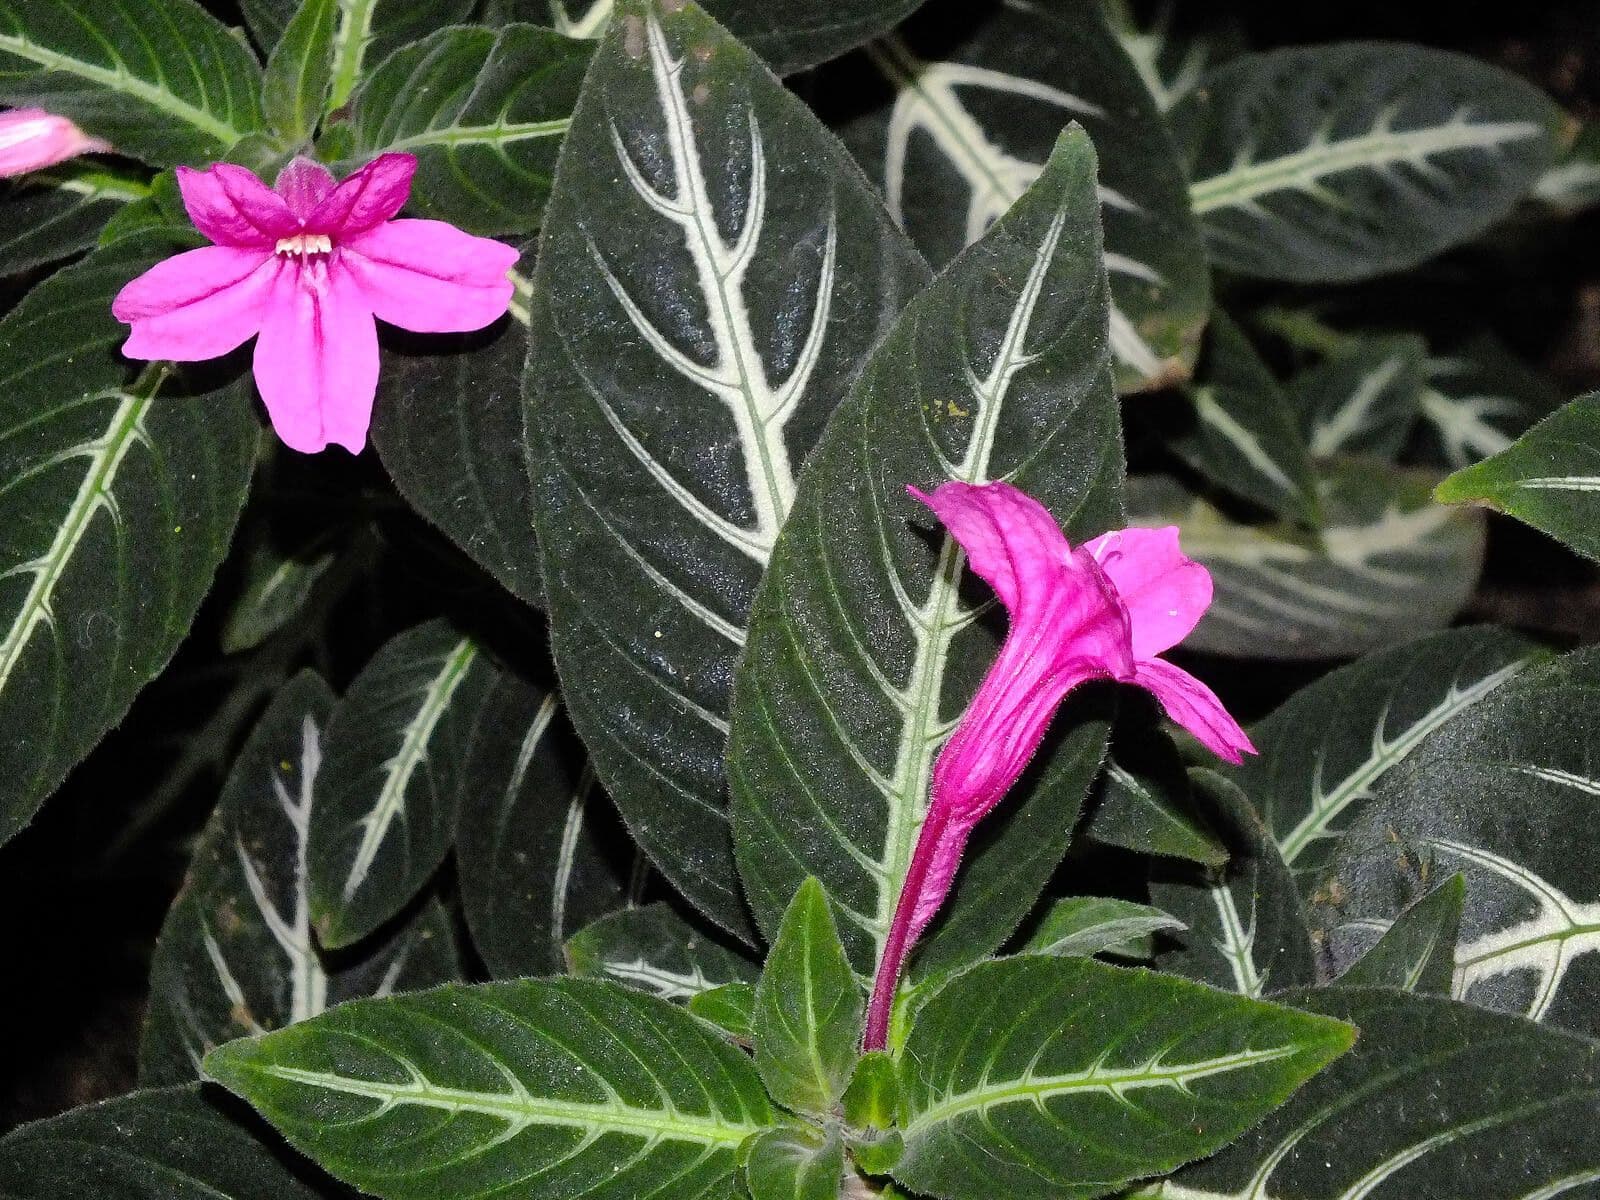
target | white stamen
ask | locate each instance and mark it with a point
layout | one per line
(305, 244)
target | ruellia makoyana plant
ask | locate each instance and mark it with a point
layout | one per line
(793, 705)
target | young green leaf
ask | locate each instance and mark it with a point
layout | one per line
(163, 81)
(1343, 161)
(1083, 926)
(369, 30)
(557, 1088)
(236, 955)
(1549, 478)
(300, 71)
(712, 272)
(393, 777)
(808, 1010)
(1418, 952)
(276, 587)
(51, 215)
(1059, 1078)
(655, 950)
(731, 1008)
(863, 648)
(124, 488)
(1365, 397)
(794, 1164)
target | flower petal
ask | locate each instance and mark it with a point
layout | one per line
(1165, 593)
(317, 360)
(304, 184)
(31, 139)
(1011, 539)
(430, 277)
(198, 304)
(367, 198)
(1194, 706)
(233, 208)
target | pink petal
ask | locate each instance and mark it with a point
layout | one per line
(1011, 540)
(317, 360)
(198, 304)
(233, 208)
(304, 184)
(1165, 593)
(31, 139)
(367, 198)
(430, 277)
(1194, 706)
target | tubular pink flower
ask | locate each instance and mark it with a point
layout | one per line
(1104, 610)
(31, 139)
(307, 266)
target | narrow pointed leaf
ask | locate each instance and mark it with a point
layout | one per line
(484, 111)
(1436, 1099)
(794, 1164)
(1147, 808)
(1343, 161)
(369, 30)
(1083, 926)
(236, 954)
(550, 1088)
(971, 122)
(654, 950)
(864, 645)
(163, 80)
(55, 214)
(1365, 397)
(1418, 952)
(807, 1019)
(712, 273)
(299, 72)
(1102, 1076)
(1549, 478)
(123, 488)
(393, 778)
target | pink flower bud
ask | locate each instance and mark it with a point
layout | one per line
(31, 139)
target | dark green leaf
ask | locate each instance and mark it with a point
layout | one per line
(1083, 926)
(161, 80)
(1365, 397)
(1479, 398)
(1343, 161)
(274, 593)
(550, 1088)
(1573, 183)
(730, 1007)
(122, 490)
(1062, 1077)
(1418, 952)
(369, 30)
(300, 71)
(794, 1164)
(1171, 61)
(863, 648)
(1146, 808)
(971, 122)
(393, 778)
(655, 950)
(712, 273)
(808, 1010)
(1549, 478)
(236, 955)
(55, 214)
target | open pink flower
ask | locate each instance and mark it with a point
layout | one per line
(1104, 610)
(307, 266)
(32, 139)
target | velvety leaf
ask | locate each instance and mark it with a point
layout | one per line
(178, 1143)
(1389, 564)
(236, 955)
(55, 214)
(124, 485)
(1102, 1076)
(300, 71)
(807, 1019)
(1478, 398)
(1342, 161)
(1325, 751)
(1365, 397)
(1171, 61)
(1502, 794)
(731, 1007)
(980, 92)
(1247, 929)
(1549, 478)
(1436, 1099)
(1083, 926)
(712, 272)
(794, 1164)
(653, 949)
(161, 80)
(484, 111)
(538, 853)
(1146, 808)
(1418, 952)
(393, 778)
(551, 1088)
(274, 592)
(865, 647)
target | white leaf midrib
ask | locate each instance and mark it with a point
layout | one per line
(350, 42)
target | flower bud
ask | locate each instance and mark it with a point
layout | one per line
(31, 139)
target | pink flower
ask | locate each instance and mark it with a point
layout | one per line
(308, 265)
(1104, 610)
(31, 139)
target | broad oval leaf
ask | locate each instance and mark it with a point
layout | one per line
(236, 954)
(863, 649)
(1549, 478)
(551, 1088)
(1436, 1099)
(1059, 1078)
(980, 92)
(393, 777)
(655, 950)
(712, 272)
(794, 1164)
(1388, 563)
(163, 80)
(1497, 794)
(122, 489)
(1343, 161)
(51, 215)
(484, 111)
